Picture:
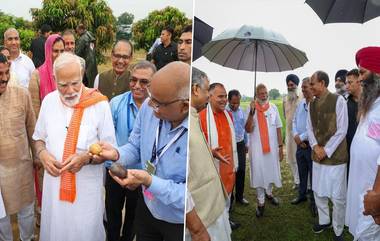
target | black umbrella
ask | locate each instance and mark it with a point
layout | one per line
(202, 35)
(345, 11)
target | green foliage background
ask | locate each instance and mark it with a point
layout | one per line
(148, 29)
(68, 14)
(24, 27)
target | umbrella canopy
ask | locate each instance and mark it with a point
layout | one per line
(253, 49)
(345, 11)
(202, 35)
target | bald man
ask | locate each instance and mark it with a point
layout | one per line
(158, 143)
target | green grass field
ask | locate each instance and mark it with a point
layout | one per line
(283, 223)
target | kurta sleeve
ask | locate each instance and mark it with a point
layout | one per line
(310, 131)
(341, 127)
(278, 118)
(34, 90)
(106, 130)
(40, 132)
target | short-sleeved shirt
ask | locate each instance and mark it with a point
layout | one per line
(23, 67)
(37, 47)
(164, 55)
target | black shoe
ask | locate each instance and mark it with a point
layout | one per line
(273, 200)
(298, 200)
(338, 238)
(318, 228)
(234, 225)
(243, 201)
(260, 211)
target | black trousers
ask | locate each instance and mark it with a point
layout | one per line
(240, 174)
(116, 198)
(305, 166)
(149, 228)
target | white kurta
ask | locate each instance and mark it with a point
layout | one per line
(83, 219)
(365, 153)
(265, 169)
(330, 180)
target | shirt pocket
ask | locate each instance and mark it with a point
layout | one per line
(87, 134)
(16, 124)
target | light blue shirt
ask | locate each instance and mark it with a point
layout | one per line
(124, 112)
(239, 124)
(300, 120)
(169, 182)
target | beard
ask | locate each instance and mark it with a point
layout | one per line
(66, 99)
(370, 92)
(262, 102)
(292, 95)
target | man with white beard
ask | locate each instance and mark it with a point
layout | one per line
(265, 148)
(70, 120)
(290, 103)
(365, 151)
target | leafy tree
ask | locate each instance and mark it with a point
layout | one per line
(68, 14)
(148, 29)
(274, 94)
(125, 18)
(23, 27)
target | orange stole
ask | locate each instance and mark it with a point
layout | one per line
(226, 171)
(263, 126)
(89, 97)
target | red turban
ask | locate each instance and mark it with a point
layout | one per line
(369, 58)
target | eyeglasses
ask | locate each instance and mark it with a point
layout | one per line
(157, 105)
(66, 85)
(143, 82)
(120, 56)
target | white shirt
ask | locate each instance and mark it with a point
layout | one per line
(265, 168)
(23, 67)
(365, 158)
(83, 219)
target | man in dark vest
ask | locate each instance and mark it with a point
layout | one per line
(85, 48)
(327, 125)
(116, 80)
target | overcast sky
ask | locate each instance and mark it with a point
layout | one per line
(140, 8)
(328, 47)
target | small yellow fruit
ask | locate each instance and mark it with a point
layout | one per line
(95, 149)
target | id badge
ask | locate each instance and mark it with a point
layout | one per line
(150, 168)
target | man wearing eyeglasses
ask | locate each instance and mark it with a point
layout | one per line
(158, 143)
(115, 81)
(124, 110)
(17, 122)
(72, 118)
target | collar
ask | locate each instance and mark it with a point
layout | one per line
(184, 124)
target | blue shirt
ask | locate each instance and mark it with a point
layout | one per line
(300, 120)
(239, 124)
(124, 111)
(169, 181)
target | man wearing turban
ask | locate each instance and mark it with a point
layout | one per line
(340, 83)
(290, 103)
(365, 152)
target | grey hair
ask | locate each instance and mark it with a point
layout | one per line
(370, 92)
(10, 30)
(64, 59)
(144, 64)
(306, 79)
(198, 77)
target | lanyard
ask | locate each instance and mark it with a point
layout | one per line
(157, 154)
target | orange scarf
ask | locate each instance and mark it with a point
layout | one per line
(67, 191)
(263, 126)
